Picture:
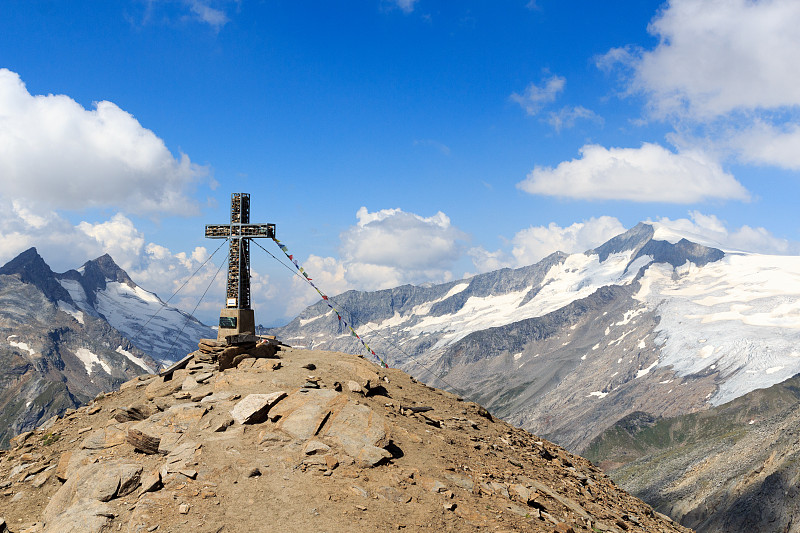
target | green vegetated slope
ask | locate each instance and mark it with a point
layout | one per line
(731, 468)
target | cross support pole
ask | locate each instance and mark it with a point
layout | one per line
(237, 316)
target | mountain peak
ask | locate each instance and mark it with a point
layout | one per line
(108, 268)
(32, 268)
(633, 239)
(28, 259)
(645, 239)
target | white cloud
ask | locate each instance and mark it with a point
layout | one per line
(153, 266)
(118, 237)
(567, 116)
(715, 57)
(215, 18)
(390, 247)
(724, 71)
(537, 96)
(406, 6)
(486, 261)
(57, 154)
(764, 143)
(532, 244)
(384, 249)
(745, 238)
(647, 174)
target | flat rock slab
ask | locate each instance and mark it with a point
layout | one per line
(159, 387)
(107, 437)
(302, 414)
(181, 456)
(220, 396)
(98, 481)
(84, 516)
(255, 407)
(361, 432)
(183, 415)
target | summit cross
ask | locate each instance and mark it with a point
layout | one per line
(237, 316)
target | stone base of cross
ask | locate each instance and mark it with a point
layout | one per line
(235, 322)
(237, 317)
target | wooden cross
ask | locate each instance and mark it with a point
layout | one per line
(239, 231)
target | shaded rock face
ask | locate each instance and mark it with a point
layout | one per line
(51, 362)
(262, 452)
(31, 269)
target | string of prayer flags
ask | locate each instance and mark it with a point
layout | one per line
(353, 333)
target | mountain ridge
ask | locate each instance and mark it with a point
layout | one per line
(684, 327)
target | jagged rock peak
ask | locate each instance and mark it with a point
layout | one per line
(633, 239)
(97, 272)
(32, 268)
(641, 240)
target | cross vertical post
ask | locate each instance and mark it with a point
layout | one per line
(237, 316)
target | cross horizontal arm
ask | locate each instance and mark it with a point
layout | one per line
(223, 231)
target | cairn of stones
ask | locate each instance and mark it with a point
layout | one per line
(234, 349)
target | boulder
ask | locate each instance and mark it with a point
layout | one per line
(254, 407)
(103, 438)
(361, 432)
(303, 413)
(97, 481)
(84, 516)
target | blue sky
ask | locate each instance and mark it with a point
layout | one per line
(392, 142)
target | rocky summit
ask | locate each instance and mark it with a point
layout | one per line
(298, 440)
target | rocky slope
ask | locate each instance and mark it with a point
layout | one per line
(728, 469)
(312, 441)
(650, 321)
(66, 337)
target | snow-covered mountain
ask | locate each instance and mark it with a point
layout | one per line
(101, 288)
(649, 321)
(64, 338)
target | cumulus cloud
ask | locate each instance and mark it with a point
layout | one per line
(721, 56)
(650, 173)
(65, 245)
(744, 238)
(532, 244)
(535, 97)
(384, 249)
(537, 242)
(768, 144)
(390, 247)
(58, 154)
(724, 70)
